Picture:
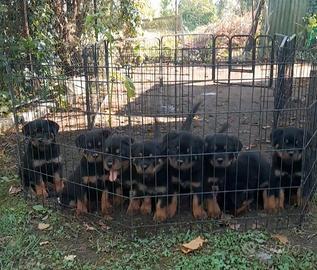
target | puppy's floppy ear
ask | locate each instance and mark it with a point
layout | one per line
(54, 126)
(26, 129)
(80, 141)
(276, 135)
(106, 133)
(171, 136)
(237, 143)
(127, 140)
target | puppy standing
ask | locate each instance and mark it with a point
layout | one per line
(286, 176)
(84, 185)
(117, 163)
(221, 150)
(184, 151)
(42, 159)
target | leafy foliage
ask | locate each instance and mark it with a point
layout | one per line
(39, 34)
(197, 12)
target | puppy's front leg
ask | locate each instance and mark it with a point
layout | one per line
(105, 203)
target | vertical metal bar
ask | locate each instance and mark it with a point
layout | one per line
(87, 92)
(213, 59)
(229, 59)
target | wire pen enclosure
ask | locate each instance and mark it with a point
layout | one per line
(178, 130)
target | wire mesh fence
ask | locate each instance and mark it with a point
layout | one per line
(178, 130)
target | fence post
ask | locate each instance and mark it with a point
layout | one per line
(213, 59)
(87, 92)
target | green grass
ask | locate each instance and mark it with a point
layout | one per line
(20, 244)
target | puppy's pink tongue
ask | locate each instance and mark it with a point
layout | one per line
(113, 174)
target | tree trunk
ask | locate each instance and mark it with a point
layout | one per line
(26, 34)
(254, 26)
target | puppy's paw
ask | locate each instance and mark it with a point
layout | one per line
(81, 208)
(272, 205)
(118, 200)
(213, 209)
(160, 214)
(199, 213)
(134, 207)
(146, 206)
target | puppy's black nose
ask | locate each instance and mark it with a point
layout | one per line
(40, 140)
(219, 160)
(180, 161)
(95, 155)
(109, 163)
(144, 166)
(291, 153)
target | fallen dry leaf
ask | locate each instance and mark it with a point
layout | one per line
(44, 243)
(70, 257)
(281, 238)
(14, 190)
(88, 227)
(43, 226)
(193, 245)
(45, 218)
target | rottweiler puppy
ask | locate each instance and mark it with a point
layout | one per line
(42, 161)
(116, 153)
(285, 184)
(221, 150)
(89, 177)
(184, 151)
(246, 179)
(151, 176)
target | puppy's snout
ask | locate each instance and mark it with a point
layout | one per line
(290, 153)
(180, 161)
(40, 140)
(144, 166)
(95, 155)
(220, 160)
(109, 163)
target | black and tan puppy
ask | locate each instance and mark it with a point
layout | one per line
(116, 153)
(42, 159)
(184, 151)
(84, 185)
(151, 176)
(246, 180)
(221, 150)
(285, 184)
